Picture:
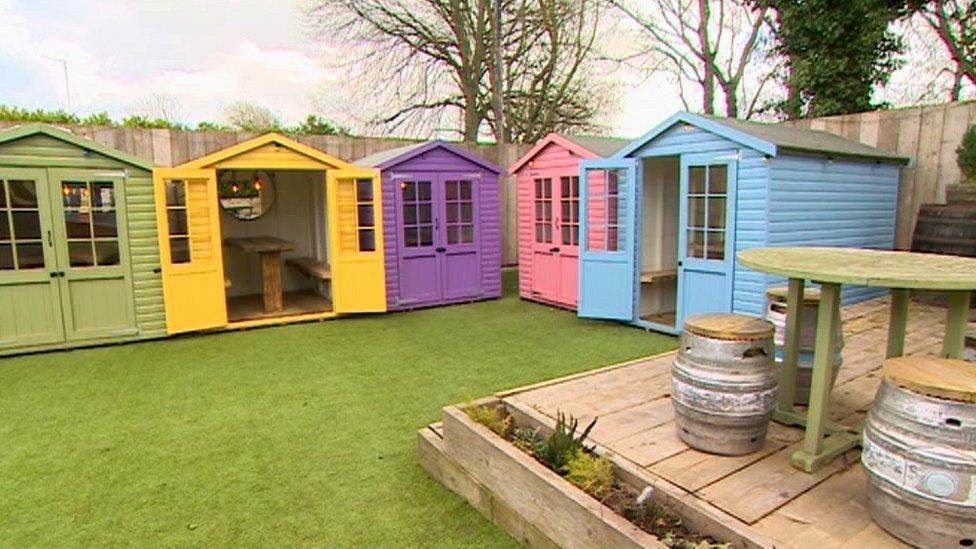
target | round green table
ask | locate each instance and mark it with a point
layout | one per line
(830, 268)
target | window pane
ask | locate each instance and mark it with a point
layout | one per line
(4, 225)
(3, 194)
(547, 188)
(365, 215)
(452, 212)
(465, 190)
(538, 188)
(564, 187)
(696, 180)
(565, 210)
(575, 211)
(107, 252)
(425, 213)
(27, 225)
(696, 243)
(177, 222)
(409, 214)
(23, 194)
(410, 238)
(696, 212)
(547, 211)
(467, 234)
(423, 190)
(179, 250)
(567, 234)
(80, 254)
(364, 190)
(613, 183)
(451, 190)
(175, 193)
(6, 257)
(575, 235)
(409, 189)
(103, 194)
(548, 233)
(613, 242)
(105, 224)
(718, 179)
(539, 211)
(30, 255)
(467, 212)
(76, 225)
(453, 234)
(367, 240)
(575, 181)
(75, 194)
(716, 213)
(427, 236)
(539, 232)
(716, 245)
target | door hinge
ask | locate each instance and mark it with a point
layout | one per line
(158, 270)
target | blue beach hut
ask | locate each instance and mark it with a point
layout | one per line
(662, 220)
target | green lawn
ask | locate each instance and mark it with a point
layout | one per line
(302, 434)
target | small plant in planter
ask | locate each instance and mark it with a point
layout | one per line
(563, 444)
(493, 417)
(590, 473)
(966, 156)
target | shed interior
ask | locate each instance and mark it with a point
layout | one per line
(293, 204)
(658, 257)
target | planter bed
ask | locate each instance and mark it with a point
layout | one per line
(539, 507)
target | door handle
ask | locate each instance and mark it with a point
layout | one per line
(680, 263)
(554, 250)
(440, 249)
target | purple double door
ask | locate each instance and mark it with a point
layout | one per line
(438, 242)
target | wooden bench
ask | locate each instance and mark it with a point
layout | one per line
(648, 277)
(310, 267)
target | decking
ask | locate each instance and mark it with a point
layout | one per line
(762, 490)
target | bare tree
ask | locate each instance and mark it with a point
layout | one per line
(162, 106)
(422, 59)
(250, 117)
(955, 23)
(716, 45)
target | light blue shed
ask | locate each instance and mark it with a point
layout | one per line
(663, 218)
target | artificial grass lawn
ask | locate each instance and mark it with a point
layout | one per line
(293, 435)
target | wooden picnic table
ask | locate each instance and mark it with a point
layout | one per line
(832, 267)
(269, 248)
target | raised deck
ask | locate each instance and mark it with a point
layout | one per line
(761, 491)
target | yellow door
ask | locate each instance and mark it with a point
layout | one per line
(190, 249)
(356, 241)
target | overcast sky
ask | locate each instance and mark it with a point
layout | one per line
(207, 53)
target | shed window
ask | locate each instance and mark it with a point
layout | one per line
(569, 210)
(460, 211)
(417, 211)
(707, 211)
(603, 207)
(21, 246)
(178, 222)
(357, 224)
(90, 223)
(543, 210)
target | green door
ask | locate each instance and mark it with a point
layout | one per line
(30, 301)
(92, 250)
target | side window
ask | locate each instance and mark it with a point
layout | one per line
(707, 200)
(460, 211)
(357, 224)
(543, 210)
(603, 209)
(569, 210)
(417, 212)
(90, 223)
(21, 244)
(177, 221)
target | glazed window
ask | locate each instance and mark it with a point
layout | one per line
(357, 223)
(603, 209)
(178, 222)
(569, 210)
(707, 201)
(543, 210)
(21, 243)
(90, 223)
(459, 201)
(417, 211)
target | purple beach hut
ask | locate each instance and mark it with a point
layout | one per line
(442, 224)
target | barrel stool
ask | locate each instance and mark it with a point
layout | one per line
(776, 313)
(724, 383)
(919, 450)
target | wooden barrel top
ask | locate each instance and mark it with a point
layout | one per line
(933, 376)
(811, 296)
(729, 327)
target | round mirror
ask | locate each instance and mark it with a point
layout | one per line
(246, 194)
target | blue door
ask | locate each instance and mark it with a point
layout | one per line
(706, 241)
(607, 227)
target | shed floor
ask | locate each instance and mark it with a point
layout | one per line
(762, 490)
(251, 307)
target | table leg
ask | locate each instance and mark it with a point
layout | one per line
(954, 342)
(818, 451)
(791, 345)
(897, 323)
(271, 282)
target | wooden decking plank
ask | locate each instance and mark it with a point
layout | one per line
(768, 484)
(832, 514)
(624, 423)
(693, 470)
(603, 382)
(651, 445)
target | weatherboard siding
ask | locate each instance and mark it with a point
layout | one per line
(841, 202)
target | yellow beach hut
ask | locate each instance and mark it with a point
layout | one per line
(268, 231)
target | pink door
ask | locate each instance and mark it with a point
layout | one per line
(567, 228)
(545, 261)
